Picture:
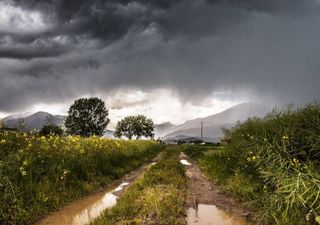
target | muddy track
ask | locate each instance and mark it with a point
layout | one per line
(83, 211)
(203, 193)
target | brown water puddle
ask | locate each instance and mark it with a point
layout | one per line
(205, 204)
(85, 210)
(211, 215)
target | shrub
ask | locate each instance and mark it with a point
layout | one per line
(51, 129)
(283, 149)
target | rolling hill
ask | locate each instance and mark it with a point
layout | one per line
(212, 124)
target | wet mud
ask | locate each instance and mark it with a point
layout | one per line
(205, 204)
(84, 211)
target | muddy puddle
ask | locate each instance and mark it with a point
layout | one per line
(85, 210)
(211, 215)
(205, 204)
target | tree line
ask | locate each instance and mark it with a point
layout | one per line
(89, 116)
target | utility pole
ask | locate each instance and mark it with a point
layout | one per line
(201, 131)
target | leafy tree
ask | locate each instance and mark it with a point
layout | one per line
(51, 129)
(86, 117)
(138, 126)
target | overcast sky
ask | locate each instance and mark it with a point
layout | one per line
(169, 59)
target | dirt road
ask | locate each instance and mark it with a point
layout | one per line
(205, 204)
(85, 210)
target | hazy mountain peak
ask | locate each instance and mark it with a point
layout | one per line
(165, 124)
(17, 116)
(212, 124)
(33, 121)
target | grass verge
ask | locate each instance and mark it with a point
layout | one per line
(156, 198)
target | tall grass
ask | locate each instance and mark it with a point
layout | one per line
(273, 163)
(40, 174)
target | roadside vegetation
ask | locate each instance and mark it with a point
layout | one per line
(272, 164)
(42, 171)
(39, 174)
(155, 198)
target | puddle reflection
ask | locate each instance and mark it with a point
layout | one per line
(185, 162)
(85, 211)
(211, 215)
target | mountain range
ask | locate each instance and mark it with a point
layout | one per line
(189, 130)
(33, 121)
(212, 124)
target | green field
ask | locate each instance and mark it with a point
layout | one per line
(41, 174)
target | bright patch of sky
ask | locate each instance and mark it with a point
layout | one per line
(2, 115)
(162, 105)
(16, 19)
(54, 109)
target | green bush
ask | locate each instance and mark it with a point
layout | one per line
(51, 129)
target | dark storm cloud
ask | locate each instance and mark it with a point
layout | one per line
(105, 20)
(23, 52)
(257, 49)
(270, 6)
